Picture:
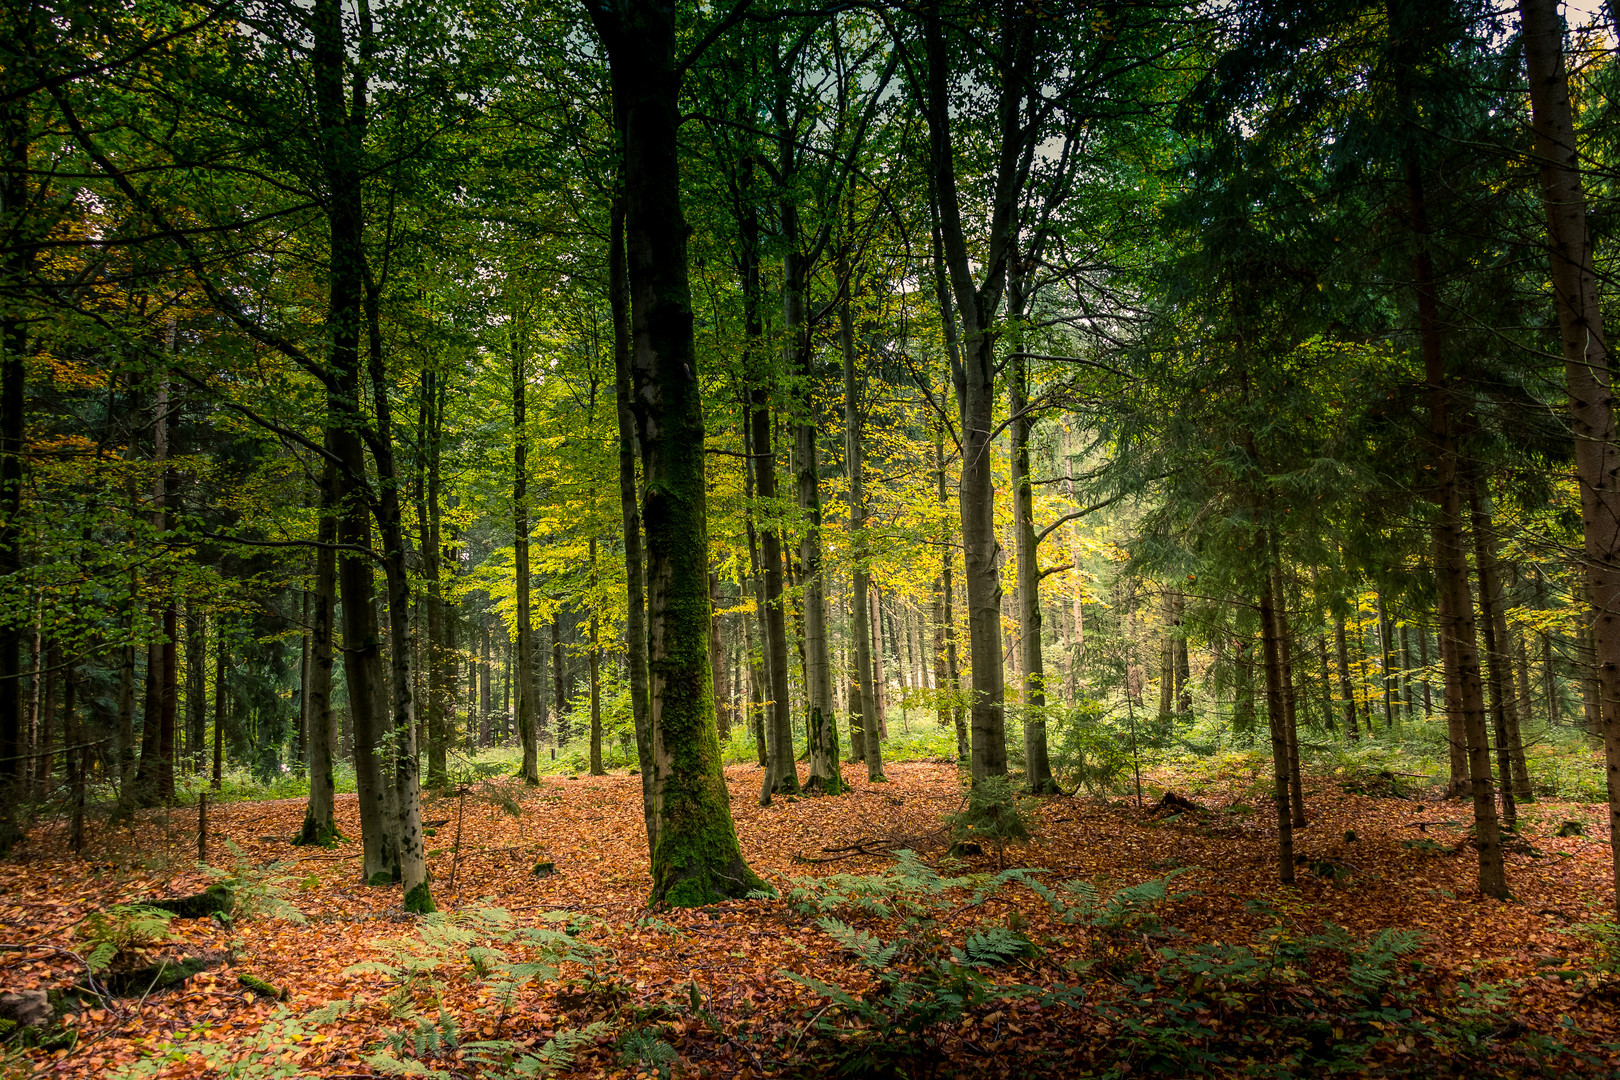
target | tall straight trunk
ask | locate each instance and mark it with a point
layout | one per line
(405, 767)
(947, 545)
(796, 358)
(879, 701)
(1499, 676)
(76, 760)
(221, 701)
(1586, 368)
(1423, 661)
(196, 687)
(363, 657)
(559, 684)
(976, 308)
(154, 779)
(1277, 719)
(44, 749)
(781, 772)
(697, 859)
(319, 718)
(486, 667)
(1037, 765)
(126, 701)
(1406, 672)
(758, 680)
(1285, 655)
(862, 692)
(1451, 561)
(15, 268)
(717, 649)
(301, 742)
(1325, 666)
(1386, 663)
(435, 647)
(596, 678)
(526, 690)
(1456, 737)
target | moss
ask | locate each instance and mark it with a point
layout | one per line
(153, 978)
(214, 900)
(380, 878)
(420, 900)
(259, 986)
(323, 835)
(544, 869)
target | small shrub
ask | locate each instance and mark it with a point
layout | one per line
(123, 934)
(995, 814)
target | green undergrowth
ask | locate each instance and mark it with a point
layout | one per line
(1287, 1002)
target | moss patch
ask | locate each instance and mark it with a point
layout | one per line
(214, 900)
(420, 900)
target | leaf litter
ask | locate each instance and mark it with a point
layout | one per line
(714, 984)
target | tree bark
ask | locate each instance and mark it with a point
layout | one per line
(1037, 765)
(526, 691)
(1586, 367)
(1451, 562)
(697, 859)
(320, 720)
(976, 308)
(863, 694)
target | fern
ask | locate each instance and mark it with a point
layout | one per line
(992, 946)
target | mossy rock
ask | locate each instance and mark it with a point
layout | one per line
(544, 869)
(1572, 828)
(164, 975)
(214, 900)
(262, 988)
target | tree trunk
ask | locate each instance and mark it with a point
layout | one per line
(15, 269)
(1278, 720)
(1494, 624)
(1346, 689)
(1285, 654)
(1037, 766)
(974, 377)
(697, 859)
(1451, 562)
(862, 692)
(319, 720)
(596, 677)
(1586, 367)
(526, 691)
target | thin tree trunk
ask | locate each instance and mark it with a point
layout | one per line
(319, 824)
(1278, 721)
(1037, 765)
(596, 677)
(1285, 654)
(862, 690)
(526, 691)
(1494, 623)
(1451, 566)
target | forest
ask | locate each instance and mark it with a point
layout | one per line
(869, 538)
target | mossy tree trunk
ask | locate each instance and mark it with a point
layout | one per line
(635, 623)
(697, 859)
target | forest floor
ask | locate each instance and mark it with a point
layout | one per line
(1123, 988)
